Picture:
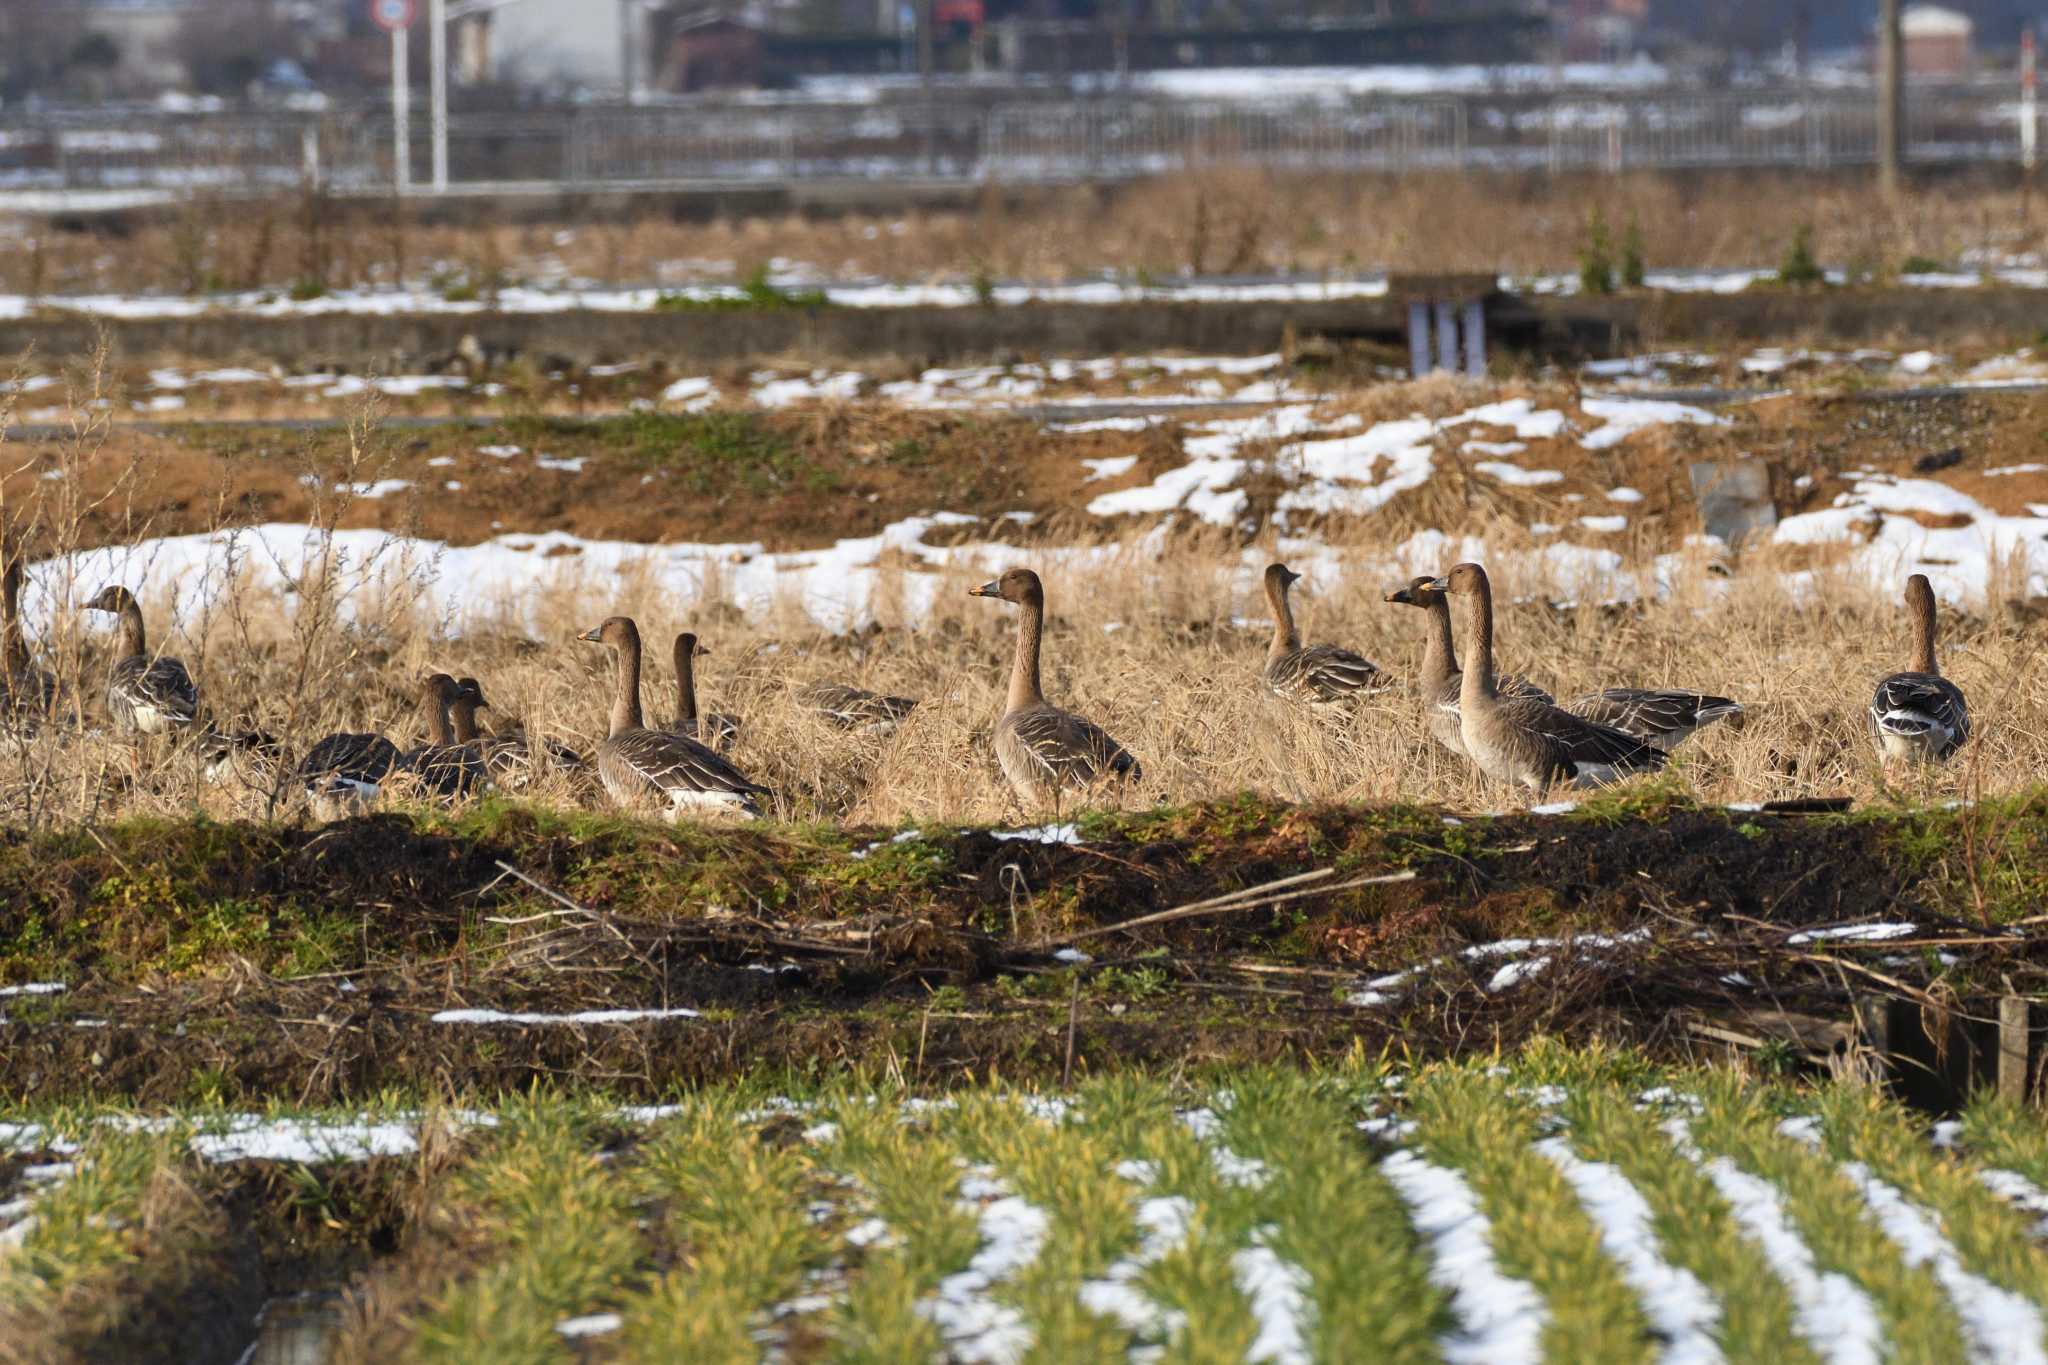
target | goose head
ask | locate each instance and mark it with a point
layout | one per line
(617, 631)
(113, 597)
(1463, 579)
(1016, 585)
(1418, 592)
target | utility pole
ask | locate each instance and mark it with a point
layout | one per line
(401, 113)
(1891, 97)
(925, 59)
(437, 88)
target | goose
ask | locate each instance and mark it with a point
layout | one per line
(713, 730)
(1321, 675)
(854, 708)
(1441, 680)
(636, 763)
(1522, 740)
(145, 695)
(346, 769)
(1919, 716)
(27, 691)
(1042, 749)
(1665, 718)
(508, 757)
(441, 765)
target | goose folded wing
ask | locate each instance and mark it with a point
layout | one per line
(1646, 713)
(160, 685)
(1071, 747)
(1330, 671)
(677, 764)
(1586, 745)
(358, 757)
(1514, 685)
(1913, 703)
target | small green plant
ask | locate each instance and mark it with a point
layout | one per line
(984, 286)
(306, 288)
(1799, 266)
(1596, 256)
(756, 292)
(1633, 269)
(1921, 265)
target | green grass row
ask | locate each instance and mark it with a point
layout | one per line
(1248, 1218)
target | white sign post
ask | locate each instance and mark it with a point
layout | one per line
(2029, 125)
(396, 17)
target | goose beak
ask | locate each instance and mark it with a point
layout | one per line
(1440, 584)
(595, 635)
(1406, 595)
(992, 588)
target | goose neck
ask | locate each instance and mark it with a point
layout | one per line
(1923, 634)
(434, 708)
(1477, 685)
(1439, 650)
(134, 639)
(686, 683)
(626, 699)
(1024, 686)
(1285, 638)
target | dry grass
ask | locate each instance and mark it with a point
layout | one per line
(1225, 218)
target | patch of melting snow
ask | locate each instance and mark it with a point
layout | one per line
(2000, 1324)
(1624, 494)
(1605, 525)
(2022, 1193)
(1499, 1319)
(500, 452)
(1044, 834)
(1109, 467)
(1207, 1128)
(1831, 1312)
(1516, 475)
(821, 1132)
(1163, 1223)
(1385, 989)
(247, 1138)
(1680, 1309)
(1277, 1292)
(1072, 955)
(591, 1325)
(34, 988)
(979, 1330)
(567, 466)
(901, 837)
(870, 1232)
(1854, 933)
(1622, 418)
(623, 1016)
(1554, 808)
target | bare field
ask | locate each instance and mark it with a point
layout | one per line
(1228, 220)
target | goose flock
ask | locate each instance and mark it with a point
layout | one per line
(1503, 725)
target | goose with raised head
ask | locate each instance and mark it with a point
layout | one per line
(1663, 717)
(511, 759)
(1919, 716)
(1521, 740)
(717, 731)
(1044, 751)
(854, 708)
(145, 695)
(1321, 675)
(442, 765)
(28, 692)
(638, 765)
(1442, 682)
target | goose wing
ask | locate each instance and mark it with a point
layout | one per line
(446, 769)
(676, 766)
(1582, 748)
(158, 687)
(1923, 707)
(364, 758)
(1516, 686)
(1326, 673)
(850, 707)
(1654, 715)
(1070, 748)
(715, 731)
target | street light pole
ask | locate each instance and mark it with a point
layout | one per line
(437, 88)
(1891, 103)
(401, 114)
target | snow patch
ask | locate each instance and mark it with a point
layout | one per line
(1499, 1319)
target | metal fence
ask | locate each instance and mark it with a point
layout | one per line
(1024, 143)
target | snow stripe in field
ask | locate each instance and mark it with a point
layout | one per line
(1679, 1307)
(1163, 1224)
(2020, 1192)
(581, 1017)
(1277, 1291)
(978, 1329)
(1834, 1316)
(1500, 1319)
(2001, 1326)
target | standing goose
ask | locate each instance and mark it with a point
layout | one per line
(1441, 680)
(1321, 675)
(442, 765)
(1664, 718)
(637, 764)
(146, 696)
(27, 691)
(713, 730)
(509, 757)
(1042, 749)
(1521, 740)
(1919, 716)
(854, 708)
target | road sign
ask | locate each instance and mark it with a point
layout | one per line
(394, 16)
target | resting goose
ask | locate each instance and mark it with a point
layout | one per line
(146, 696)
(1321, 675)
(713, 730)
(441, 765)
(1919, 716)
(1042, 749)
(508, 757)
(27, 691)
(347, 769)
(1663, 718)
(1441, 679)
(637, 764)
(1519, 739)
(854, 708)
